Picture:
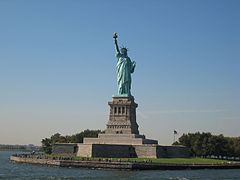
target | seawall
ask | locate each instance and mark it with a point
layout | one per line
(35, 160)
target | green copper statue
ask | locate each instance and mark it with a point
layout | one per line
(124, 69)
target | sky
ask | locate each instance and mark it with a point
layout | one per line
(58, 69)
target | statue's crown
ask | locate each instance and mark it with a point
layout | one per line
(124, 48)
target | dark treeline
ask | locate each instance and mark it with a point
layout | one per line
(12, 147)
(9, 147)
(206, 144)
(47, 143)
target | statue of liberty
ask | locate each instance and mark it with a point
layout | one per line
(124, 69)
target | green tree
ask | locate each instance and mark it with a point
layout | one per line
(47, 143)
(236, 144)
(205, 144)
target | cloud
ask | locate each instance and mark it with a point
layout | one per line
(230, 118)
(145, 114)
(186, 111)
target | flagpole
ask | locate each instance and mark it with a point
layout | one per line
(173, 137)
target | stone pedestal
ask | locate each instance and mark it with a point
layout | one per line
(122, 118)
(121, 138)
(122, 127)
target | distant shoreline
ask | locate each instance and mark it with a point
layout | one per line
(23, 148)
(18, 150)
(121, 165)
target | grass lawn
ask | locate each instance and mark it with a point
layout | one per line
(182, 160)
(166, 160)
(192, 160)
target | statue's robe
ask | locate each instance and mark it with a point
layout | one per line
(124, 69)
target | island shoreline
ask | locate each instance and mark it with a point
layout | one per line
(121, 165)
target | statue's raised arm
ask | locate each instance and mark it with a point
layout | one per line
(115, 36)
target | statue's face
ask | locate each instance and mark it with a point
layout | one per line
(124, 51)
